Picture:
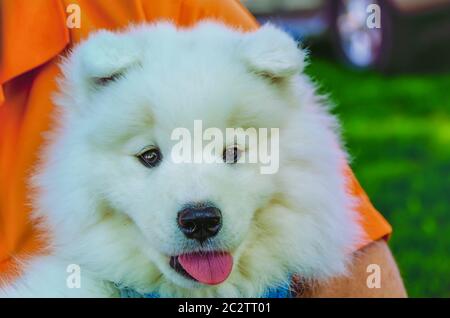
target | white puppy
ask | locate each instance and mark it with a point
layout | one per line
(120, 209)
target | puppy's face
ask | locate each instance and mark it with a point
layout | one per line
(127, 95)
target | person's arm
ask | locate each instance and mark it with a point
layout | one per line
(355, 284)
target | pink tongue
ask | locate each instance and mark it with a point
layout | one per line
(210, 268)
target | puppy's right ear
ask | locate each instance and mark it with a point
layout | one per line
(103, 58)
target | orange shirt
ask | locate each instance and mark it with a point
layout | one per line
(32, 34)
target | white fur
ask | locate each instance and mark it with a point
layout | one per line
(116, 219)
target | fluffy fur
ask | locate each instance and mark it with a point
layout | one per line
(115, 218)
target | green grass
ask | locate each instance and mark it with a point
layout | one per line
(397, 129)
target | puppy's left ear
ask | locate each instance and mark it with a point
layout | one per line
(272, 53)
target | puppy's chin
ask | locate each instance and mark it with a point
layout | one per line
(180, 280)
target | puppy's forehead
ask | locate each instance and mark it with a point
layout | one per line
(187, 81)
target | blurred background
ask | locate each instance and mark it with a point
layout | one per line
(386, 65)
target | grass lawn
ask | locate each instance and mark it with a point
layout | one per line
(397, 129)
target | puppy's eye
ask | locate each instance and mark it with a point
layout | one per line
(150, 158)
(231, 154)
(103, 81)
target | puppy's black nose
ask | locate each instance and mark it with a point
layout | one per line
(200, 221)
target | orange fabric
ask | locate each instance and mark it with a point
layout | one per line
(375, 225)
(33, 33)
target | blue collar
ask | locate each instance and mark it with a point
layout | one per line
(283, 291)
